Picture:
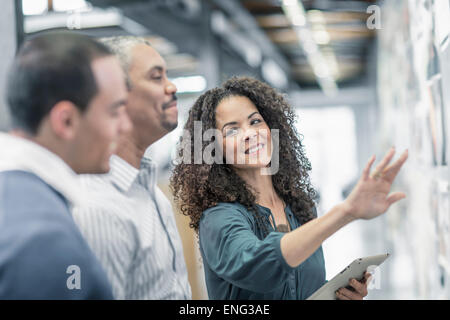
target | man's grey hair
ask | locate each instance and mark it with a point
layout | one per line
(121, 46)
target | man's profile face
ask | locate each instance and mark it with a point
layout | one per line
(104, 120)
(151, 101)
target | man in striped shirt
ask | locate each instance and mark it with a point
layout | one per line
(128, 222)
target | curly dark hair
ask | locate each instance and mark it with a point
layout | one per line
(197, 187)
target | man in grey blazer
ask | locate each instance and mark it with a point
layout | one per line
(66, 97)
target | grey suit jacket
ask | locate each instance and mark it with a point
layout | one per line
(42, 253)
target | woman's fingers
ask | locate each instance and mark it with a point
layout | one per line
(359, 290)
(341, 296)
(394, 197)
(367, 277)
(370, 197)
(385, 161)
(360, 287)
(346, 294)
(391, 172)
(387, 173)
(366, 170)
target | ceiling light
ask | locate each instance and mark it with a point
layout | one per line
(273, 74)
(321, 37)
(73, 5)
(189, 84)
(290, 2)
(33, 7)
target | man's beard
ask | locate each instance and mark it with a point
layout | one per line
(169, 125)
(166, 124)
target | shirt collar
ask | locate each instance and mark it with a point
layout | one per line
(123, 174)
(24, 155)
(266, 211)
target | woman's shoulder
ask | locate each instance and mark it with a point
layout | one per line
(226, 206)
(226, 210)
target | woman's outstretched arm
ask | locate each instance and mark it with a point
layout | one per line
(368, 199)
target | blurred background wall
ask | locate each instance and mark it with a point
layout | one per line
(362, 75)
(8, 41)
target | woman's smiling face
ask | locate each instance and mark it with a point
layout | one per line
(246, 142)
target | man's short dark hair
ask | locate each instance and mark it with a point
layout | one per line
(50, 68)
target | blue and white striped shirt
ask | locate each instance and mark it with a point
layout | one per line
(129, 224)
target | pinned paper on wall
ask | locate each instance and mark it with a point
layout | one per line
(414, 74)
(441, 22)
(437, 121)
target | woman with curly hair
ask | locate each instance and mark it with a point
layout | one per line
(259, 234)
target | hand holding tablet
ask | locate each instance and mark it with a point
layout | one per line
(355, 270)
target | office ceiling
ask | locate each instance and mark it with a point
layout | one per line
(339, 25)
(253, 37)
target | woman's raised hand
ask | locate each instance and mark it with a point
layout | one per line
(370, 197)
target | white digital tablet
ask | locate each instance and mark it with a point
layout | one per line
(354, 270)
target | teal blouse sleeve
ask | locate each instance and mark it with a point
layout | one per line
(234, 253)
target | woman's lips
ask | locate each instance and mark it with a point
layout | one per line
(255, 149)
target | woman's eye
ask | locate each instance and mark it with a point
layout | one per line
(255, 121)
(231, 131)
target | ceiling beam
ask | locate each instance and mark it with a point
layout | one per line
(240, 16)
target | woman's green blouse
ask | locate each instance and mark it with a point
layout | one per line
(239, 263)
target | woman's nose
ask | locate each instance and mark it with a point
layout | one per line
(250, 134)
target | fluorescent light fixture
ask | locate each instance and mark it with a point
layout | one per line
(290, 2)
(321, 71)
(33, 7)
(243, 45)
(321, 37)
(74, 20)
(295, 13)
(316, 16)
(328, 86)
(298, 20)
(251, 52)
(72, 5)
(273, 74)
(309, 38)
(189, 84)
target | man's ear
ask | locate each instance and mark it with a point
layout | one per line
(64, 119)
